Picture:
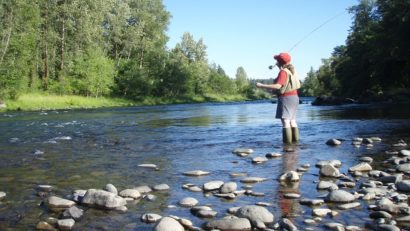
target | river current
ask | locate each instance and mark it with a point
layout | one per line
(83, 149)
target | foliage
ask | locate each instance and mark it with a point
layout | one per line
(374, 61)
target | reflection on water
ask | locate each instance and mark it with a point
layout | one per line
(91, 148)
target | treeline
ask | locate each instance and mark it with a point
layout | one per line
(374, 62)
(104, 48)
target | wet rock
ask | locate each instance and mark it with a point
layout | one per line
(391, 179)
(101, 198)
(151, 166)
(188, 202)
(380, 214)
(196, 173)
(292, 195)
(78, 195)
(403, 167)
(273, 155)
(150, 217)
(111, 188)
(258, 215)
(366, 159)
(333, 142)
(206, 214)
(161, 187)
(212, 185)
(252, 179)
(348, 205)
(375, 190)
(340, 196)
(404, 152)
(66, 224)
(361, 167)
(228, 187)
(74, 213)
(335, 226)
(321, 212)
(290, 176)
(405, 219)
(403, 186)
(144, 189)
(259, 160)
(335, 163)
(226, 195)
(44, 226)
(286, 224)
(229, 223)
(44, 188)
(2, 195)
(57, 203)
(130, 193)
(245, 151)
(326, 185)
(329, 170)
(311, 202)
(167, 224)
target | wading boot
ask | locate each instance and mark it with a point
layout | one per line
(295, 134)
(287, 135)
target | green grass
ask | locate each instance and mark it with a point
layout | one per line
(37, 102)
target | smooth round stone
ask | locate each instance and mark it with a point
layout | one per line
(161, 187)
(273, 155)
(292, 195)
(259, 160)
(44, 188)
(243, 151)
(252, 179)
(213, 185)
(132, 193)
(168, 223)
(333, 142)
(111, 188)
(143, 189)
(188, 202)
(2, 195)
(348, 206)
(321, 212)
(238, 174)
(196, 173)
(150, 217)
(152, 166)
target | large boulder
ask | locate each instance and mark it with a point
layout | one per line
(230, 223)
(104, 199)
(340, 196)
(258, 215)
(168, 224)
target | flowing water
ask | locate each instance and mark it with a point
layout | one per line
(85, 149)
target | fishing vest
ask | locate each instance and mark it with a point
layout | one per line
(292, 82)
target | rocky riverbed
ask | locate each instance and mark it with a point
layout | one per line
(379, 188)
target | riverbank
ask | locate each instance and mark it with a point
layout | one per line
(38, 102)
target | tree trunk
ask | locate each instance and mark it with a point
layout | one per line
(45, 40)
(6, 39)
(62, 48)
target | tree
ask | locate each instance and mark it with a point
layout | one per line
(241, 79)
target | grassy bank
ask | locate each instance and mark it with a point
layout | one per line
(36, 102)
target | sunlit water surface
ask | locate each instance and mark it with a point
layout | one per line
(90, 148)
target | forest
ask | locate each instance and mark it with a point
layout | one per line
(117, 48)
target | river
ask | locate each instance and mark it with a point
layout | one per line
(82, 149)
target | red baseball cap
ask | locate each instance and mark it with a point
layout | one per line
(282, 58)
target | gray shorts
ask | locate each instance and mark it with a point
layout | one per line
(287, 106)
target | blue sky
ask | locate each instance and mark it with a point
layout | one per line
(248, 33)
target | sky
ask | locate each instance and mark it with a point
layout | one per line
(247, 33)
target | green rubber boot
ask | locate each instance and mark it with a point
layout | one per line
(295, 134)
(287, 135)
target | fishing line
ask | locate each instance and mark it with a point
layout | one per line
(317, 28)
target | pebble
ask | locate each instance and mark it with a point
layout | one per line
(2, 195)
(196, 173)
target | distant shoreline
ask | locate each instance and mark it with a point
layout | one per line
(38, 102)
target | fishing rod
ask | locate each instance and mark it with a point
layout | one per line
(313, 31)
